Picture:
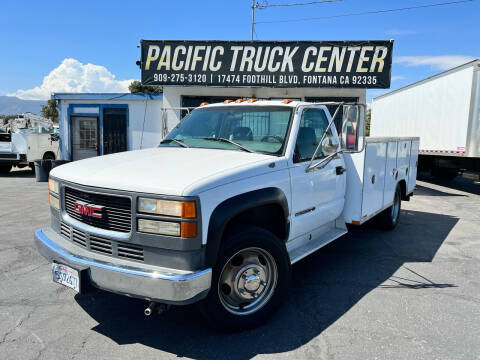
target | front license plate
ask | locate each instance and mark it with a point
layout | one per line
(67, 276)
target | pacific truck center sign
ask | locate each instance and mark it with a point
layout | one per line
(338, 64)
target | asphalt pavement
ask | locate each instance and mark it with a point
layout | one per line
(412, 293)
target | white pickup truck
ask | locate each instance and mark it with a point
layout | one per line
(217, 214)
(23, 147)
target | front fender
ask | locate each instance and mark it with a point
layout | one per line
(231, 207)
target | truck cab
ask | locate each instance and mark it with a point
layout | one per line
(221, 209)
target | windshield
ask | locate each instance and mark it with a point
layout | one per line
(242, 128)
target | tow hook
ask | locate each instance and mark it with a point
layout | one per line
(161, 308)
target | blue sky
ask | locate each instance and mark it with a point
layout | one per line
(37, 36)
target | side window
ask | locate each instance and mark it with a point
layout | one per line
(312, 126)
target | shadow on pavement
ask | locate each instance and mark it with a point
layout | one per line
(19, 173)
(459, 183)
(324, 287)
(427, 191)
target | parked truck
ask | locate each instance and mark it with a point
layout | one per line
(23, 147)
(444, 111)
(218, 213)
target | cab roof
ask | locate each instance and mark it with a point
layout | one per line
(247, 102)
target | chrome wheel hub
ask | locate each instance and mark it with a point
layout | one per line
(247, 281)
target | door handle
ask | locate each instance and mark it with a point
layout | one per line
(340, 170)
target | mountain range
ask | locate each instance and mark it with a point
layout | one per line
(10, 105)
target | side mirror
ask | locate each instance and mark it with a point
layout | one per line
(329, 146)
(353, 128)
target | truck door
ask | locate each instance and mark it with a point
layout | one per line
(318, 196)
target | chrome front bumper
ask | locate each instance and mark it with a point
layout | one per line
(126, 277)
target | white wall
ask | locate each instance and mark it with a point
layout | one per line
(150, 110)
(172, 95)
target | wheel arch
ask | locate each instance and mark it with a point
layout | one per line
(266, 208)
(46, 153)
(403, 189)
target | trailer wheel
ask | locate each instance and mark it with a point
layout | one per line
(249, 280)
(5, 169)
(388, 218)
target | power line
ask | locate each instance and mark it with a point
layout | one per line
(364, 13)
(261, 7)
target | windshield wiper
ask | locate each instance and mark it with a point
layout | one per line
(179, 142)
(230, 142)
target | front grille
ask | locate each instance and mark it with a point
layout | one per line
(116, 214)
(101, 244)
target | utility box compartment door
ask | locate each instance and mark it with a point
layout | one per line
(390, 173)
(403, 158)
(374, 178)
(412, 171)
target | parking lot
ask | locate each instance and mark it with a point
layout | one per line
(413, 293)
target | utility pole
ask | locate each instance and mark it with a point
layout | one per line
(253, 19)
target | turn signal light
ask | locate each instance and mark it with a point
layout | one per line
(189, 229)
(188, 210)
(204, 103)
(286, 101)
(228, 101)
(252, 100)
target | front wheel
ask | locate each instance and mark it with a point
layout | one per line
(388, 219)
(249, 280)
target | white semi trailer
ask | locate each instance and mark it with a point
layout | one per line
(444, 111)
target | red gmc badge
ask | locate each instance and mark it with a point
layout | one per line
(91, 210)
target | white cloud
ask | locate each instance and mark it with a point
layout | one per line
(442, 62)
(73, 76)
(398, 77)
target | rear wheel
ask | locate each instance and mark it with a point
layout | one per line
(388, 218)
(249, 280)
(4, 169)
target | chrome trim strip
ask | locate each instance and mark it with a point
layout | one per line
(125, 270)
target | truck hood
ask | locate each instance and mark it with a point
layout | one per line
(163, 170)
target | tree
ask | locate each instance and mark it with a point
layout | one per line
(137, 87)
(368, 117)
(49, 111)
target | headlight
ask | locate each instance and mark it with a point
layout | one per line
(54, 202)
(53, 186)
(183, 209)
(159, 227)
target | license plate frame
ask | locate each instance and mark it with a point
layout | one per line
(67, 276)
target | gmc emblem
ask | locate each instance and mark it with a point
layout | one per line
(91, 210)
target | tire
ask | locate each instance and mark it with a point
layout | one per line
(5, 169)
(249, 281)
(388, 218)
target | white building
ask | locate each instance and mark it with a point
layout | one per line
(99, 124)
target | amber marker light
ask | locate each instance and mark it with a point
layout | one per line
(228, 101)
(188, 210)
(238, 101)
(204, 103)
(286, 101)
(188, 229)
(252, 100)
